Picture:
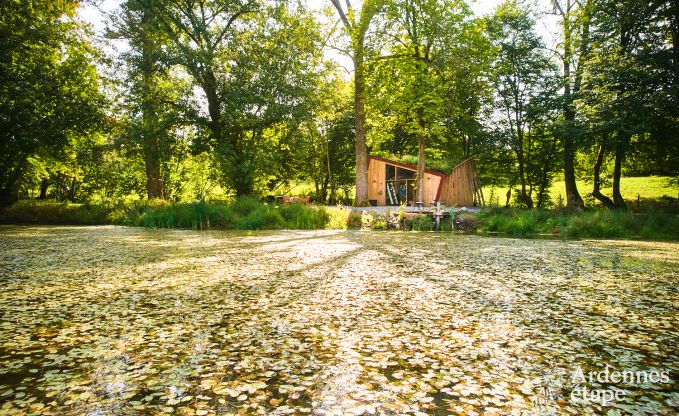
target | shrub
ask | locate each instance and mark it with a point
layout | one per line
(338, 218)
(354, 220)
(423, 223)
(57, 213)
(463, 221)
(596, 224)
(243, 206)
(302, 217)
(262, 218)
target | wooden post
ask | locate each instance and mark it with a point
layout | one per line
(437, 216)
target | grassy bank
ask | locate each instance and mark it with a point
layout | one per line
(241, 214)
(250, 214)
(656, 189)
(598, 223)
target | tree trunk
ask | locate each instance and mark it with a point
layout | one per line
(526, 199)
(241, 167)
(596, 192)
(8, 196)
(324, 190)
(154, 182)
(44, 184)
(419, 183)
(330, 180)
(210, 89)
(72, 190)
(150, 143)
(618, 201)
(421, 162)
(359, 120)
(317, 187)
(674, 30)
(573, 198)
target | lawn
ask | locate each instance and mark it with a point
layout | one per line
(646, 188)
(130, 321)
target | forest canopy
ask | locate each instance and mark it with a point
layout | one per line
(215, 99)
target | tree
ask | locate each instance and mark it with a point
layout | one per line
(269, 94)
(356, 24)
(628, 75)
(326, 153)
(432, 78)
(525, 82)
(254, 63)
(154, 98)
(575, 23)
(49, 87)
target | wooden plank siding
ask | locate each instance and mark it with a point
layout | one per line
(377, 176)
(460, 186)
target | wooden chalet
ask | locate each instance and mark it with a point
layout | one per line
(393, 183)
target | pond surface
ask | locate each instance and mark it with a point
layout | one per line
(125, 321)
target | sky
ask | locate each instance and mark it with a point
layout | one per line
(546, 26)
(93, 14)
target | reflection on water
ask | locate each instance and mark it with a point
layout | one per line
(122, 321)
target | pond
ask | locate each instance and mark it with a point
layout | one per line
(127, 321)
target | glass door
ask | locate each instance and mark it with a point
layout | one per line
(400, 185)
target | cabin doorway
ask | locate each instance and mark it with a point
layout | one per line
(400, 185)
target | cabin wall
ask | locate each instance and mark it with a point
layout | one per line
(376, 181)
(459, 186)
(431, 187)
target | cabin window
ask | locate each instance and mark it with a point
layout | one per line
(405, 174)
(391, 172)
(400, 185)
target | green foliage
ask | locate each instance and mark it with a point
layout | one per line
(596, 223)
(520, 223)
(432, 82)
(354, 220)
(325, 145)
(299, 217)
(379, 221)
(49, 86)
(426, 72)
(526, 83)
(338, 218)
(51, 212)
(243, 214)
(262, 218)
(650, 189)
(422, 223)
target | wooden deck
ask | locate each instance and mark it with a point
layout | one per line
(413, 210)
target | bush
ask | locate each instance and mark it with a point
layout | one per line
(338, 218)
(244, 206)
(354, 220)
(56, 213)
(598, 223)
(463, 221)
(302, 217)
(261, 218)
(423, 223)
(243, 214)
